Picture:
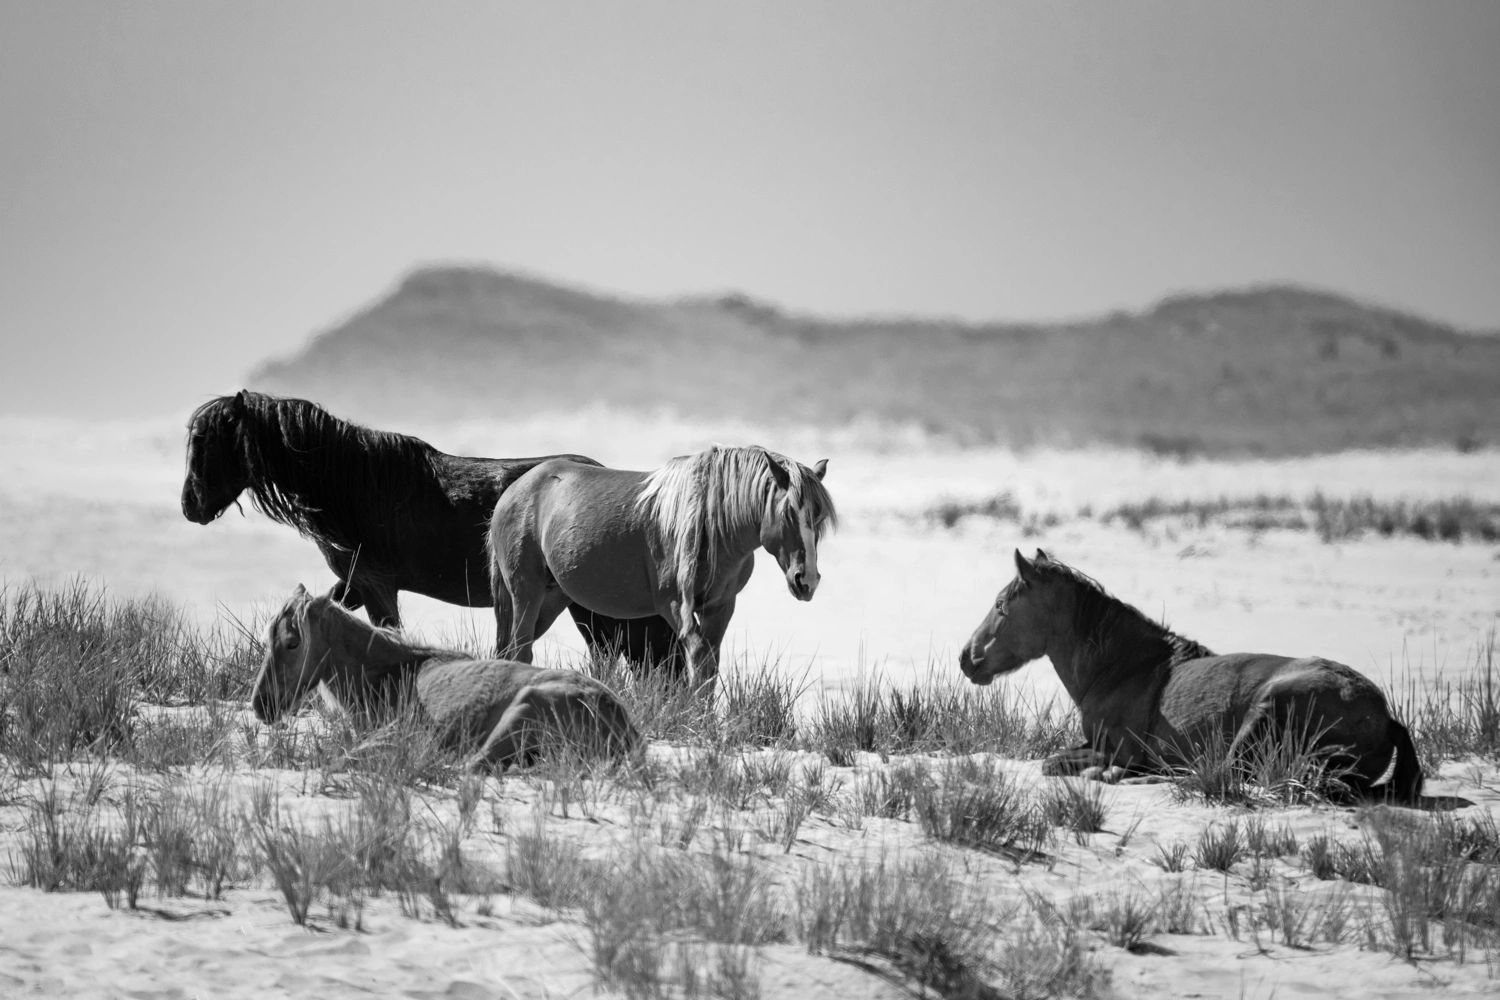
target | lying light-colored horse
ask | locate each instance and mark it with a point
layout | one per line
(678, 542)
(505, 712)
(1150, 697)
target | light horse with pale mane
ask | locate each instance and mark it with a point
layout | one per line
(1151, 700)
(500, 711)
(679, 542)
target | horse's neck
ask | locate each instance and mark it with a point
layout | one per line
(367, 657)
(1119, 647)
(338, 511)
(730, 550)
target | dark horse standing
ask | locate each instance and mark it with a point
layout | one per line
(388, 511)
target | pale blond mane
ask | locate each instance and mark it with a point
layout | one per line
(698, 503)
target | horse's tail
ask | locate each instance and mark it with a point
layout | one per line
(1406, 781)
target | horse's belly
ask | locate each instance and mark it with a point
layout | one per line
(603, 577)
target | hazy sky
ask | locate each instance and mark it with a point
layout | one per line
(186, 188)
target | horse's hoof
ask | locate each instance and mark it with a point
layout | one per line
(1094, 773)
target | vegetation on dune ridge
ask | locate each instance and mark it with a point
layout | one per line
(884, 829)
(1274, 370)
(1332, 519)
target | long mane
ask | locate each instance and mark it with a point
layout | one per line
(697, 503)
(1104, 618)
(332, 480)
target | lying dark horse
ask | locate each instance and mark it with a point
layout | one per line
(1150, 698)
(389, 512)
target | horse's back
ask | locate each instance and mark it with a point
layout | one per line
(487, 479)
(581, 528)
(451, 687)
(560, 482)
(1235, 681)
(468, 697)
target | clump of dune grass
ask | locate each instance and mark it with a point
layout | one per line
(973, 803)
(1299, 918)
(544, 866)
(1438, 876)
(1453, 519)
(663, 706)
(1285, 765)
(655, 917)
(891, 792)
(1259, 512)
(1000, 507)
(916, 913)
(758, 704)
(1220, 847)
(1331, 518)
(938, 713)
(170, 837)
(76, 664)
(1079, 806)
(1455, 719)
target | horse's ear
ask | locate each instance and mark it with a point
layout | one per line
(820, 468)
(1024, 568)
(300, 593)
(779, 474)
(1043, 557)
(241, 400)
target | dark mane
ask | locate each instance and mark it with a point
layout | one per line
(368, 483)
(1106, 619)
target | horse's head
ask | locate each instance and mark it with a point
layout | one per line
(216, 472)
(791, 528)
(294, 659)
(1016, 629)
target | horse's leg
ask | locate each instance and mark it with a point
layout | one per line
(554, 603)
(504, 613)
(1251, 740)
(515, 738)
(533, 609)
(654, 644)
(346, 595)
(701, 659)
(713, 623)
(606, 638)
(1075, 761)
(649, 642)
(1088, 758)
(381, 605)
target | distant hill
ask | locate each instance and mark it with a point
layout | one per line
(1269, 370)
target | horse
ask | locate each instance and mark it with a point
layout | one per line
(678, 542)
(504, 711)
(388, 511)
(1150, 699)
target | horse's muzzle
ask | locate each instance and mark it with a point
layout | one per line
(195, 508)
(801, 583)
(974, 668)
(196, 516)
